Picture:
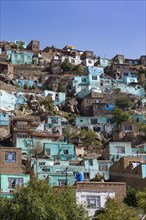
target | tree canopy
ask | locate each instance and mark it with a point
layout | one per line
(116, 210)
(120, 116)
(39, 201)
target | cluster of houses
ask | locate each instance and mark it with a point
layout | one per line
(38, 147)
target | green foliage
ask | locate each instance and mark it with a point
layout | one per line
(49, 103)
(141, 196)
(116, 210)
(78, 68)
(88, 138)
(66, 65)
(39, 201)
(120, 116)
(123, 102)
(61, 87)
(142, 127)
(131, 198)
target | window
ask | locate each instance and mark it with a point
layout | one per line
(103, 167)
(93, 121)
(42, 163)
(62, 182)
(93, 202)
(97, 129)
(10, 157)
(91, 162)
(48, 151)
(13, 182)
(22, 135)
(46, 169)
(83, 79)
(128, 127)
(86, 175)
(65, 151)
(94, 77)
(88, 101)
(81, 120)
(120, 150)
(29, 143)
(54, 120)
(22, 124)
(125, 74)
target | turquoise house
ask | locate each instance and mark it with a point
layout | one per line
(17, 57)
(8, 182)
(29, 83)
(130, 77)
(97, 167)
(4, 119)
(138, 118)
(54, 150)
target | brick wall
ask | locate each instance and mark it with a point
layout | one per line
(10, 167)
(118, 188)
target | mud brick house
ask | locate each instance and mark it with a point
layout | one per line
(131, 170)
(12, 173)
(7, 69)
(34, 45)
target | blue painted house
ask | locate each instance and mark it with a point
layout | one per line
(130, 77)
(18, 57)
(29, 83)
(4, 119)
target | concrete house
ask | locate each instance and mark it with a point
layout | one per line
(58, 97)
(19, 57)
(93, 195)
(11, 173)
(130, 170)
(96, 123)
(96, 167)
(29, 83)
(87, 58)
(7, 69)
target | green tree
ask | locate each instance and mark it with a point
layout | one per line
(141, 196)
(66, 65)
(120, 116)
(123, 102)
(49, 103)
(39, 201)
(131, 198)
(61, 87)
(88, 137)
(116, 210)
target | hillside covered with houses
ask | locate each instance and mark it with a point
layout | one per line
(73, 119)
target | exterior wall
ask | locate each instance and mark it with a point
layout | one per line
(60, 150)
(53, 179)
(10, 166)
(72, 60)
(97, 167)
(4, 119)
(118, 188)
(27, 82)
(103, 195)
(21, 58)
(129, 128)
(58, 97)
(4, 184)
(129, 77)
(88, 62)
(116, 153)
(7, 101)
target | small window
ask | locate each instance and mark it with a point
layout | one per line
(15, 182)
(93, 202)
(120, 150)
(128, 127)
(62, 182)
(65, 151)
(42, 163)
(91, 162)
(83, 79)
(103, 167)
(10, 157)
(94, 77)
(54, 120)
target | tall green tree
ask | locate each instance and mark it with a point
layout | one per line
(141, 196)
(39, 201)
(124, 102)
(116, 210)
